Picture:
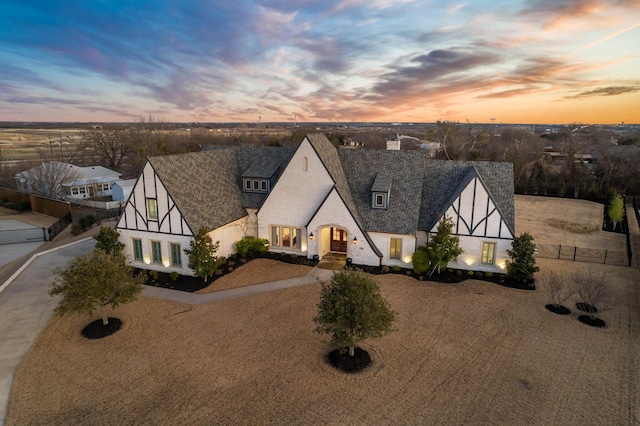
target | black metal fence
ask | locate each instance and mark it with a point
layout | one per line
(59, 226)
(580, 254)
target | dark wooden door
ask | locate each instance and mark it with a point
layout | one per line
(338, 240)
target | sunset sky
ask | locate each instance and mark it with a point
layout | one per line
(542, 61)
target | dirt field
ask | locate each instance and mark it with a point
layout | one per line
(470, 353)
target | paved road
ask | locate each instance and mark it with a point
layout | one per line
(25, 305)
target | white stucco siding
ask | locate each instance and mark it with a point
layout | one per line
(127, 237)
(298, 193)
(475, 214)
(471, 258)
(333, 213)
(135, 215)
(228, 235)
(383, 242)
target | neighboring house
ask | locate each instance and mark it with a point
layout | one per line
(121, 190)
(67, 181)
(374, 206)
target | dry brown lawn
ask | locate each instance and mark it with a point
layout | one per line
(469, 353)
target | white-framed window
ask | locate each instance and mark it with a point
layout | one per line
(379, 200)
(137, 249)
(395, 248)
(156, 252)
(152, 209)
(176, 254)
(488, 253)
(285, 237)
(256, 185)
(75, 190)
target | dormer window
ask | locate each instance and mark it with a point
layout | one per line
(256, 185)
(379, 200)
(380, 190)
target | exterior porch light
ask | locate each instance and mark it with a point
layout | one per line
(355, 240)
(311, 236)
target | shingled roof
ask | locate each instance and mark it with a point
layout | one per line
(421, 189)
(207, 186)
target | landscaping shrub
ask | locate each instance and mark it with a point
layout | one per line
(488, 274)
(478, 274)
(252, 246)
(76, 229)
(174, 276)
(470, 273)
(153, 275)
(385, 269)
(459, 273)
(395, 268)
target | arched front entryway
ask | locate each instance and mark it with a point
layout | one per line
(332, 239)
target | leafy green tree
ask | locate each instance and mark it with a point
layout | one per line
(202, 254)
(108, 239)
(95, 280)
(521, 264)
(616, 209)
(442, 248)
(352, 309)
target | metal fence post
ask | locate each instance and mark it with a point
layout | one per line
(575, 250)
(559, 250)
(605, 257)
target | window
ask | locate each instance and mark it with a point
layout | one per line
(488, 253)
(256, 185)
(285, 236)
(305, 164)
(152, 209)
(176, 258)
(395, 248)
(137, 249)
(156, 252)
(379, 200)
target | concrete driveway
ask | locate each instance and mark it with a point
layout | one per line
(25, 308)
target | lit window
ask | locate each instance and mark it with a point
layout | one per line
(176, 258)
(395, 248)
(488, 253)
(137, 249)
(285, 236)
(156, 252)
(152, 209)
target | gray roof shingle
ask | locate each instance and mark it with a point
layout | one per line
(207, 186)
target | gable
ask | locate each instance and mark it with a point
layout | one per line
(301, 188)
(475, 213)
(166, 218)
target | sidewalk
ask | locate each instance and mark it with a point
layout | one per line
(25, 304)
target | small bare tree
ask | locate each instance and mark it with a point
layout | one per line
(47, 179)
(593, 293)
(556, 287)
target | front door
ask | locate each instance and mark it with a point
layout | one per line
(338, 240)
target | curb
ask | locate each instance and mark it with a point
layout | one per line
(34, 257)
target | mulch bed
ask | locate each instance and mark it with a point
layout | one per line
(97, 330)
(593, 322)
(350, 364)
(558, 309)
(451, 276)
(192, 284)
